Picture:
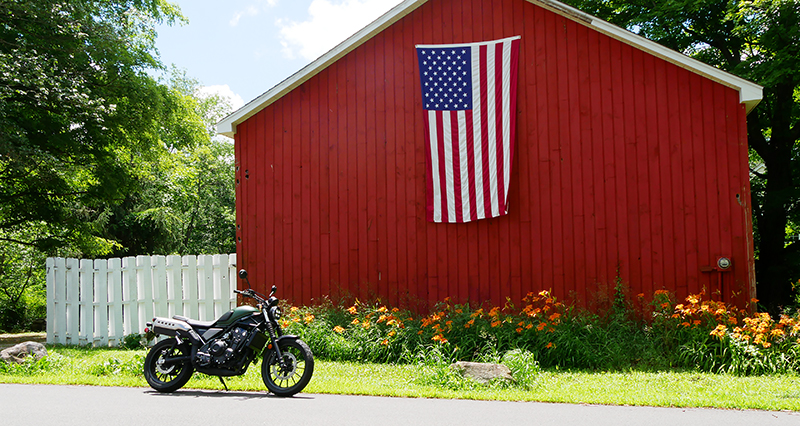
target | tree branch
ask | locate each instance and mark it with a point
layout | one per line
(12, 240)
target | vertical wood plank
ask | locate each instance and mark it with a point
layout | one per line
(160, 292)
(73, 310)
(191, 292)
(101, 284)
(115, 295)
(50, 283)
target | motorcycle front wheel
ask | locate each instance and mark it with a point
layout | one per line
(163, 376)
(296, 372)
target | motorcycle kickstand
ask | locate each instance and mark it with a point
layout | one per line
(223, 383)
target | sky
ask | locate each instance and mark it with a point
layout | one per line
(242, 48)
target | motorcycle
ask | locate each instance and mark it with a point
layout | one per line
(227, 346)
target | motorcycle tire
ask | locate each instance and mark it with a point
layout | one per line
(171, 377)
(299, 363)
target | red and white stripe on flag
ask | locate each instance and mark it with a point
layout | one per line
(469, 99)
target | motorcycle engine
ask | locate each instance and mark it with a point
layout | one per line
(219, 352)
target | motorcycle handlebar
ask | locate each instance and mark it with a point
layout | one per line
(249, 293)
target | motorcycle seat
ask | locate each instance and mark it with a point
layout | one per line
(194, 323)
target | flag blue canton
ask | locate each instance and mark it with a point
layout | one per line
(446, 77)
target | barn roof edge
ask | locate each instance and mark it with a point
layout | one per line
(750, 94)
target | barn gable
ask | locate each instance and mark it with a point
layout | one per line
(750, 94)
(630, 163)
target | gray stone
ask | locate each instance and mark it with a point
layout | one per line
(19, 352)
(483, 372)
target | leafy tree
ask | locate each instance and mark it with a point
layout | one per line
(78, 113)
(758, 40)
(185, 199)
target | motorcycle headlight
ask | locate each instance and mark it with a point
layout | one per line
(275, 313)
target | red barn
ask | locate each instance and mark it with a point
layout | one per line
(630, 163)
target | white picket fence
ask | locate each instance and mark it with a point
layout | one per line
(98, 302)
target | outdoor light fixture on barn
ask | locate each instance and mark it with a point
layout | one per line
(609, 175)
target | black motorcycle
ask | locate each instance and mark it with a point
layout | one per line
(227, 346)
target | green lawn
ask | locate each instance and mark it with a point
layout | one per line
(679, 389)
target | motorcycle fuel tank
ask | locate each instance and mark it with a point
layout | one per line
(231, 317)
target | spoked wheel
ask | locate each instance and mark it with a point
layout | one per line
(162, 375)
(294, 375)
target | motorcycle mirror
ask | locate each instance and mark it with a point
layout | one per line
(274, 288)
(243, 274)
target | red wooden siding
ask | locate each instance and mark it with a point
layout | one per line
(625, 166)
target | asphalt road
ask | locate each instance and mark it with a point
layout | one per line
(45, 405)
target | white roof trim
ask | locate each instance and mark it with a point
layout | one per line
(750, 93)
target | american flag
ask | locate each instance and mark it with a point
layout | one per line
(469, 98)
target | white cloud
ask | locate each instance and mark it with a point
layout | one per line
(251, 10)
(223, 91)
(329, 23)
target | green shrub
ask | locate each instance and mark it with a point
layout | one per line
(630, 334)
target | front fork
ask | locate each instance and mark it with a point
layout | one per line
(274, 332)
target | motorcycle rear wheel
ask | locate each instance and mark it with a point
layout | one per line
(299, 366)
(167, 378)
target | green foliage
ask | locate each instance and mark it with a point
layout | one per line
(22, 292)
(77, 111)
(32, 367)
(657, 335)
(134, 341)
(114, 366)
(185, 198)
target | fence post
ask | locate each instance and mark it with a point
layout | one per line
(101, 303)
(73, 311)
(205, 267)
(50, 283)
(86, 302)
(130, 293)
(190, 290)
(174, 291)
(116, 325)
(160, 296)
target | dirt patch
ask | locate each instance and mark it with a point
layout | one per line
(9, 340)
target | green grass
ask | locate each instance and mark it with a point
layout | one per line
(111, 367)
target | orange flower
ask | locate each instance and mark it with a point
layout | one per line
(353, 310)
(355, 321)
(392, 333)
(338, 329)
(719, 331)
(541, 326)
(309, 318)
(519, 329)
(385, 342)
(555, 316)
(550, 345)
(496, 323)
(382, 309)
